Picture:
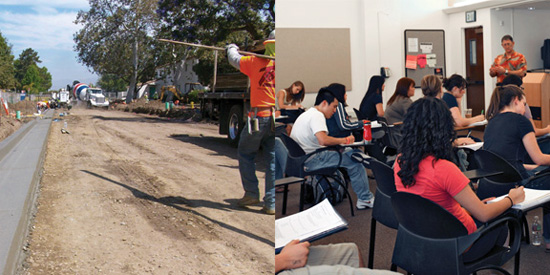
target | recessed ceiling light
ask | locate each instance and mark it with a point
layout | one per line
(531, 8)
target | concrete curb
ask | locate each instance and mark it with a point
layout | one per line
(21, 160)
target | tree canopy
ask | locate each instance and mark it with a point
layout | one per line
(7, 69)
(216, 23)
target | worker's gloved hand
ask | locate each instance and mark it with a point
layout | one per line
(231, 46)
(233, 55)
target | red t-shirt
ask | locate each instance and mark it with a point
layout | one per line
(261, 72)
(439, 182)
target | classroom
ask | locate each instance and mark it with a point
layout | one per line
(349, 41)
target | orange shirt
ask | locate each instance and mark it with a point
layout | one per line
(515, 62)
(262, 81)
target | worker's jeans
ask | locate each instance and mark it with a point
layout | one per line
(249, 145)
(356, 171)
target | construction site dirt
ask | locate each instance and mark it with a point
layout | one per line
(126, 193)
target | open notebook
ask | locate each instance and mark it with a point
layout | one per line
(312, 224)
(533, 198)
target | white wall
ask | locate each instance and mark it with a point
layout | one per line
(530, 30)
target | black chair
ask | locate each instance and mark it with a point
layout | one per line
(382, 210)
(430, 240)
(295, 167)
(359, 115)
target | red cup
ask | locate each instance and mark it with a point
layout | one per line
(367, 133)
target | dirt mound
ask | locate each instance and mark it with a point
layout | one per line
(25, 107)
(8, 125)
(158, 108)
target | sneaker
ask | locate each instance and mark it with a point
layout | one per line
(361, 204)
(269, 211)
(246, 200)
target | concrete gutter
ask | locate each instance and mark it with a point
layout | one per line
(21, 161)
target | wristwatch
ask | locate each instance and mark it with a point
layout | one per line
(506, 72)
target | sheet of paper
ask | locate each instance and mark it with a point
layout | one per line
(474, 146)
(313, 221)
(426, 47)
(479, 123)
(431, 60)
(411, 62)
(421, 60)
(413, 45)
(533, 198)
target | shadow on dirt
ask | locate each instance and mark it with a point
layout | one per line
(177, 202)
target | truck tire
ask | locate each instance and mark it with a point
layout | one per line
(235, 124)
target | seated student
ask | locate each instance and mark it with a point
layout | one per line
(339, 124)
(400, 101)
(301, 258)
(291, 97)
(456, 88)
(371, 105)
(510, 135)
(425, 168)
(311, 133)
(431, 86)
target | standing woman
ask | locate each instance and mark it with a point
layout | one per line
(371, 105)
(425, 168)
(400, 101)
(456, 88)
(291, 97)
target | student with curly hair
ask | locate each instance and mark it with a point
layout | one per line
(425, 167)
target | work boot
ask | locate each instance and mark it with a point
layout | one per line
(269, 211)
(246, 200)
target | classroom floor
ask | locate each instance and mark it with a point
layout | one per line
(534, 260)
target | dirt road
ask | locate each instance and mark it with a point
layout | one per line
(135, 194)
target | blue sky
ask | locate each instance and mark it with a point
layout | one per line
(47, 27)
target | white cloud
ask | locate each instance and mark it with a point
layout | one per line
(73, 4)
(39, 31)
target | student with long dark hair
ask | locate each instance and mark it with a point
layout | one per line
(456, 88)
(510, 135)
(400, 101)
(371, 105)
(425, 167)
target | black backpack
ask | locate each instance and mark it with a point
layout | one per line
(321, 188)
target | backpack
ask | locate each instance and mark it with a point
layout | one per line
(325, 188)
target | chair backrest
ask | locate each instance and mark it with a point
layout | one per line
(487, 188)
(490, 161)
(359, 115)
(425, 217)
(295, 158)
(385, 188)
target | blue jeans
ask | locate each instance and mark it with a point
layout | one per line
(281, 154)
(356, 171)
(249, 145)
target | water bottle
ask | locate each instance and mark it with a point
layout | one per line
(536, 232)
(65, 125)
(367, 134)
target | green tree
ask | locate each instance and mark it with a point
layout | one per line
(118, 38)
(111, 83)
(27, 58)
(32, 81)
(7, 69)
(216, 23)
(46, 79)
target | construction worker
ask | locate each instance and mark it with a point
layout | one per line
(259, 131)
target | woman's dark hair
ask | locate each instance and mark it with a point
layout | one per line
(375, 85)
(502, 97)
(454, 81)
(295, 98)
(401, 89)
(511, 79)
(430, 85)
(428, 130)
